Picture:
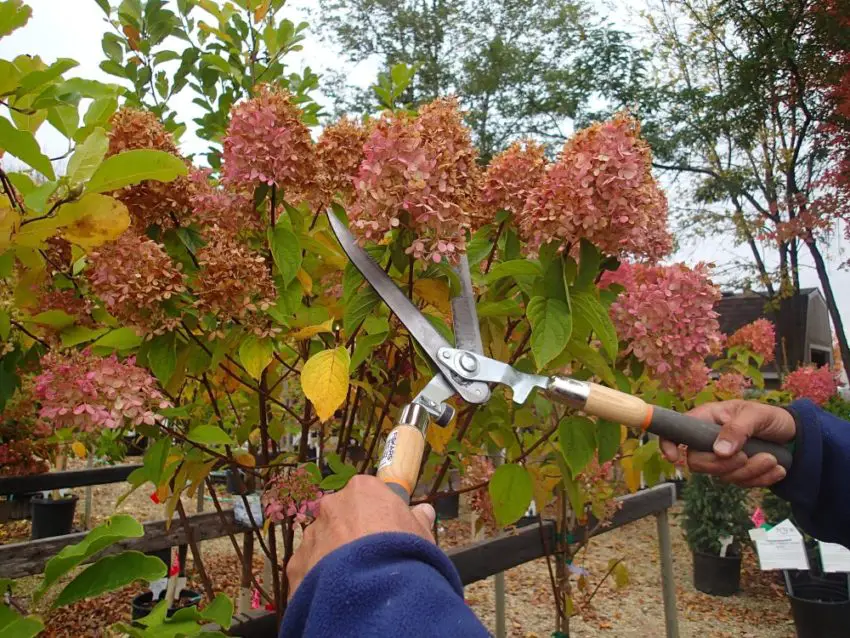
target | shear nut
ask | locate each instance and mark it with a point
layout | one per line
(468, 362)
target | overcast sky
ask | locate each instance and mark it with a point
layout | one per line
(74, 28)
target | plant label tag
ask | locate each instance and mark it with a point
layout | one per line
(834, 557)
(157, 587)
(725, 542)
(241, 514)
(782, 548)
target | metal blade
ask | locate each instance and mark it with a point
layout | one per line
(464, 316)
(417, 325)
(476, 367)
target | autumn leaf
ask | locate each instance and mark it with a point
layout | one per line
(312, 331)
(631, 474)
(434, 292)
(438, 437)
(93, 220)
(245, 459)
(324, 380)
(79, 449)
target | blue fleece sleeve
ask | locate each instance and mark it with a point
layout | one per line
(820, 474)
(389, 584)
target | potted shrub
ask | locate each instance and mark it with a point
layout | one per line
(714, 510)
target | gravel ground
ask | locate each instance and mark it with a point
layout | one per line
(759, 611)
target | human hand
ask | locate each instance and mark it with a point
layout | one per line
(740, 420)
(364, 506)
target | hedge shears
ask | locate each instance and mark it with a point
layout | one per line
(462, 369)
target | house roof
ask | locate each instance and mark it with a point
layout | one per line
(739, 309)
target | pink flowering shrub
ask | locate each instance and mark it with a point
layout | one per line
(666, 315)
(818, 384)
(291, 493)
(134, 276)
(601, 189)
(226, 207)
(85, 392)
(339, 153)
(758, 336)
(731, 385)
(510, 178)
(419, 172)
(267, 143)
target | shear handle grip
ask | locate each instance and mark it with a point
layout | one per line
(399, 466)
(682, 429)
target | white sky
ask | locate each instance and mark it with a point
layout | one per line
(74, 28)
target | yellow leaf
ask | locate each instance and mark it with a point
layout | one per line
(245, 459)
(79, 449)
(261, 11)
(9, 221)
(306, 281)
(439, 437)
(630, 473)
(93, 220)
(324, 380)
(545, 479)
(312, 331)
(434, 292)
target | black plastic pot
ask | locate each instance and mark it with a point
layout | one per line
(820, 606)
(136, 445)
(143, 603)
(52, 517)
(717, 575)
(447, 507)
(16, 507)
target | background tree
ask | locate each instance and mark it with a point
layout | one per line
(522, 68)
(745, 101)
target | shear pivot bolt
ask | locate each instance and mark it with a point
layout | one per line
(446, 354)
(468, 363)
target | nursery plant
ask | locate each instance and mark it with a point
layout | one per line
(204, 302)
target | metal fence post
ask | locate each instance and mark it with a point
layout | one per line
(668, 583)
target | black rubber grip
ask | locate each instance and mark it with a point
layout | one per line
(399, 489)
(700, 435)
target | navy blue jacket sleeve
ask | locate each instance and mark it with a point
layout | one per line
(389, 584)
(816, 485)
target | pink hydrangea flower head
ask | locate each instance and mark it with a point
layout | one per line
(666, 315)
(817, 384)
(419, 172)
(601, 189)
(339, 153)
(510, 178)
(79, 390)
(134, 276)
(731, 385)
(267, 143)
(229, 208)
(758, 336)
(291, 493)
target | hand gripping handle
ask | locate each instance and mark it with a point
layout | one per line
(399, 466)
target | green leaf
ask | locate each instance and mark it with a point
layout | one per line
(162, 356)
(22, 145)
(109, 573)
(479, 246)
(516, 268)
(219, 611)
(619, 572)
(120, 339)
(342, 473)
(589, 311)
(65, 118)
(87, 157)
(607, 439)
(255, 354)
(5, 325)
(592, 360)
(209, 435)
(132, 167)
(551, 326)
(511, 490)
(358, 308)
(154, 461)
(503, 308)
(286, 252)
(588, 266)
(36, 199)
(116, 528)
(35, 79)
(13, 15)
(577, 435)
(53, 318)
(364, 347)
(100, 111)
(12, 624)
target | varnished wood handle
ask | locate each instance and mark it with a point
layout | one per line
(399, 466)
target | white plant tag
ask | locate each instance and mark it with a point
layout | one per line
(834, 557)
(782, 548)
(157, 587)
(241, 514)
(181, 585)
(725, 542)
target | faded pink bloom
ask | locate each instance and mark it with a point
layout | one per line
(667, 316)
(812, 382)
(478, 470)
(267, 143)
(339, 152)
(419, 173)
(509, 179)
(224, 206)
(134, 277)
(601, 189)
(79, 390)
(731, 385)
(758, 336)
(291, 493)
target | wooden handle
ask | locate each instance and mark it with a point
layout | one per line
(399, 466)
(613, 405)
